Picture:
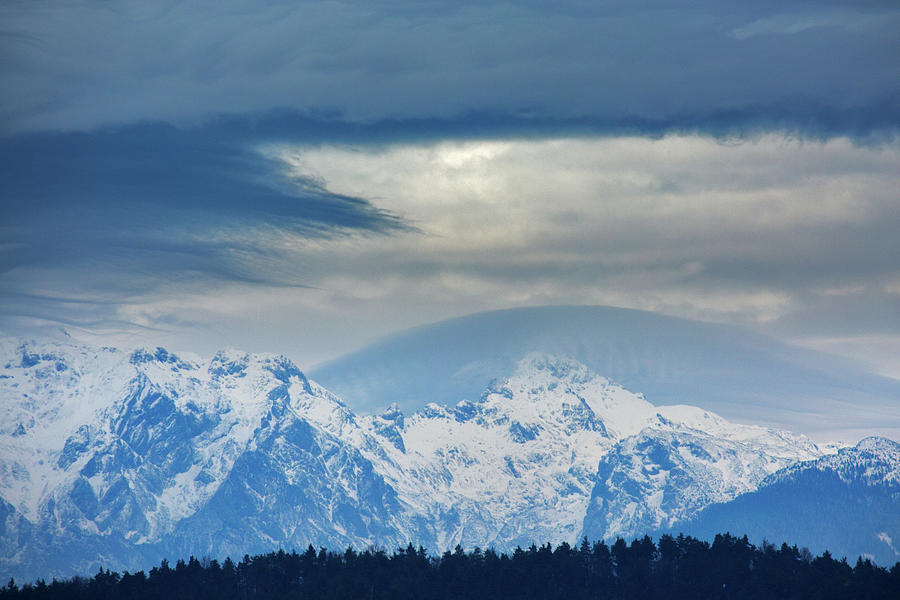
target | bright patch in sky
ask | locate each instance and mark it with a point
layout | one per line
(685, 225)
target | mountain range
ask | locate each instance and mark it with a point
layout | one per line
(120, 457)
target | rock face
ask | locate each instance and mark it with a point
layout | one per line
(121, 458)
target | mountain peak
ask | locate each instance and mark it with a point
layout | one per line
(874, 460)
(548, 388)
(160, 356)
(878, 444)
(229, 363)
(541, 365)
(740, 375)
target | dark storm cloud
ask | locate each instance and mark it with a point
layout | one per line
(822, 67)
(117, 213)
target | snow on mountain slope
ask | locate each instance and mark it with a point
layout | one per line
(48, 394)
(874, 461)
(122, 457)
(136, 447)
(300, 481)
(78, 412)
(846, 502)
(520, 464)
(515, 466)
(673, 469)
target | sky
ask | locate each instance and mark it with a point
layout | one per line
(304, 177)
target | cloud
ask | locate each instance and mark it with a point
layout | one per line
(265, 242)
(759, 232)
(789, 24)
(708, 66)
(356, 167)
(114, 215)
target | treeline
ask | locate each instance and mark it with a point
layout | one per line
(673, 568)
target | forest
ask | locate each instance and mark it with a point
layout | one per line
(680, 567)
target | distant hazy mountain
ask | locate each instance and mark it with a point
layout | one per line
(674, 468)
(848, 503)
(123, 457)
(738, 374)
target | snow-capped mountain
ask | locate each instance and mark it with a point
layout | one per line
(121, 457)
(847, 503)
(520, 464)
(874, 461)
(682, 462)
(110, 456)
